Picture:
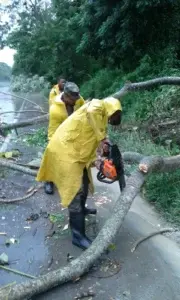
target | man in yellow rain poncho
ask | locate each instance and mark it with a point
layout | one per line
(62, 107)
(56, 90)
(69, 156)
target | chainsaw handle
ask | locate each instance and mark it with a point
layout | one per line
(101, 178)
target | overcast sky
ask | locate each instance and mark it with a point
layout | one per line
(6, 55)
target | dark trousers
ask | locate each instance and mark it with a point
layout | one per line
(79, 201)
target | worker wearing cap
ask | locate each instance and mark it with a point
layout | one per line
(63, 106)
(69, 156)
(56, 90)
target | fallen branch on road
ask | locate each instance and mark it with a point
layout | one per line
(139, 241)
(26, 123)
(81, 265)
(86, 260)
(5, 163)
(147, 164)
(30, 194)
(22, 111)
(16, 272)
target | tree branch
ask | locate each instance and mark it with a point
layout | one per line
(128, 87)
(26, 123)
(147, 164)
(13, 166)
(144, 85)
(159, 164)
(81, 265)
(25, 99)
(27, 196)
(132, 157)
(22, 111)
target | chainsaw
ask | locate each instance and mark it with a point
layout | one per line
(112, 168)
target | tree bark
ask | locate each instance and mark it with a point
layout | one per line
(81, 265)
(22, 111)
(7, 164)
(135, 87)
(28, 122)
(159, 164)
(147, 164)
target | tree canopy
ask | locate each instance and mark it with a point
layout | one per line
(75, 38)
(5, 71)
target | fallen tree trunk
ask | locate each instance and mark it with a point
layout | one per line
(146, 163)
(128, 87)
(26, 123)
(144, 85)
(81, 265)
(155, 163)
(22, 111)
(159, 164)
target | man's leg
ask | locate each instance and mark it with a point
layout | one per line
(49, 188)
(77, 221)
(84, 195)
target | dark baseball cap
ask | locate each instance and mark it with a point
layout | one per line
(71, 89)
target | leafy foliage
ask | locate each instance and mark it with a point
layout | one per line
(122, 32)
(5, 71)
(25, 84)
(100, 45)
(39, 138)
(77, 38)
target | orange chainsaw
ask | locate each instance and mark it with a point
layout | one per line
(112, 168)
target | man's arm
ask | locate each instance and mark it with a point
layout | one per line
(52, 95)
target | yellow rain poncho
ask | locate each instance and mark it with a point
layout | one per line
(58, 113)
(53, 93)
(73, 147)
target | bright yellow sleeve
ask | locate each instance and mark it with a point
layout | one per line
(53, 93)
(98, 121)
(82, 101)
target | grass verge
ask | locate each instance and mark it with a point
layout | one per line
(161, 190)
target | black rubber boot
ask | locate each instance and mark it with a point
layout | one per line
(49, 188)
(77, 225)
(90, 211)
(87, 210)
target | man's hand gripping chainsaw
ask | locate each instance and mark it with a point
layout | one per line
(112, 168)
